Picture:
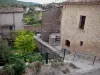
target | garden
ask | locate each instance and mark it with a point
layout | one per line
(15, 59)
(33, 18)
(23, 58)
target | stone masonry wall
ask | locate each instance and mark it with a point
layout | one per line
(70, 28)
(33, 28)
(51, 22)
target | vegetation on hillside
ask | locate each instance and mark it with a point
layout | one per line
(15, 3)
(14, 61)
(32, 18)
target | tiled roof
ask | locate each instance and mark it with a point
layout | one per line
(11, 10)
(82, 2)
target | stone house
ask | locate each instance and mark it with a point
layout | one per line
(10, 19)
(50, 31)
(80, 26)
(50, 23)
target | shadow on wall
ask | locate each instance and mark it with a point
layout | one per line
(45, 36)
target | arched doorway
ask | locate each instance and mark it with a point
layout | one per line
(67, 43)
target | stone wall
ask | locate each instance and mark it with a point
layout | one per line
(45, 47)
(51, 22)
(70, 28)
(32, 28)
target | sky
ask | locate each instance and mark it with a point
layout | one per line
(42, 1)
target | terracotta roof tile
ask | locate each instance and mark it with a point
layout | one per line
(11, 10)
(82, 2)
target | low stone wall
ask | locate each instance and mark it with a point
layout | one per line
(45, 47)
(32, 28)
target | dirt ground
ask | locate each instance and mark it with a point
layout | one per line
(53, 69)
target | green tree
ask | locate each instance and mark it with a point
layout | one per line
(4, 52)
(25, 42)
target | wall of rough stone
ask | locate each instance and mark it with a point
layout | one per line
(70, 28)
(32, 28)
(51, 22)
(45, 49)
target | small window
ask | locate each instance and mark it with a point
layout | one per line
(57, 38)
(81, 43)
(67, 43)
(82, 22)
(10, 28)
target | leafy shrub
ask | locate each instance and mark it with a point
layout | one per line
(25, 42)
(17, 63)
(4, 52)
(7, 70)
(32, 21)
(26, 20)
(35, 57)
(18, 66)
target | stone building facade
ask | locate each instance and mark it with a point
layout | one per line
(80, 26)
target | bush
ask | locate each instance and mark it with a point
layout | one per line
(31, 21)
(26, 20)
(4, 52)
(19, 66)
(25, 42)
(35, 57)
(7, 70)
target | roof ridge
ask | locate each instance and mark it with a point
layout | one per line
(82, 2)
(11, 9)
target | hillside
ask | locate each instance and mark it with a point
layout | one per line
(15, 3)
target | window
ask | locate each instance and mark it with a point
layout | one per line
(10, 28)
(82, 22)
(67, 43)
(57, 38)
(81, 43)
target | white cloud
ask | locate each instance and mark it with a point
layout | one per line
(42, 1)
